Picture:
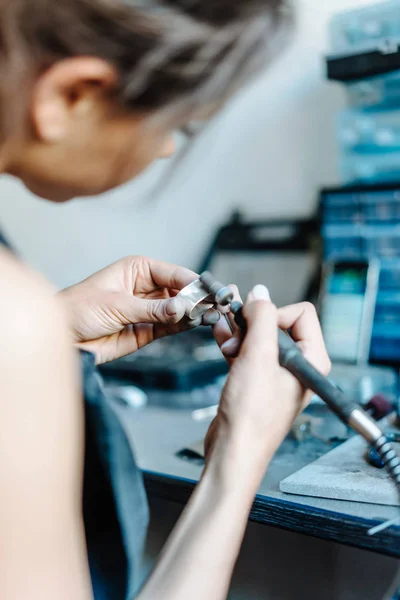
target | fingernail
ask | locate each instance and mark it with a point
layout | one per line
(211, 318)
(231, 347)
(259, 292)
(175, 306)
(195, 323)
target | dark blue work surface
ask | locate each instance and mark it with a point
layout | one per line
(157, 434)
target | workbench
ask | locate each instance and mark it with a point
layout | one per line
(157, 434)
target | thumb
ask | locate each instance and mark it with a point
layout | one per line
(168, 312)
(262, 325)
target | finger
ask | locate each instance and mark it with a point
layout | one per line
(223, 329)
(167, 312)
(261, 315)
(231, 348)
(136, 336)
(185, 325)
(161, 330)
(302, 320)
(170, 276)
(211, 318)
(146, 333)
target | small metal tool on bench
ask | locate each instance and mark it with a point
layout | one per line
(292, 359)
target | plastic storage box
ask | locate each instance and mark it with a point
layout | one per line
(380, 91)
(390, 274)
(369, 131)
(342, 241)
(359, 222)
(365, 29)
(386, 342)
(370, 168)
(362, 219)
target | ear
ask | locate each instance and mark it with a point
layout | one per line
(70, 88)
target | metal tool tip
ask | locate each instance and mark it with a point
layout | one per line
(207, 279)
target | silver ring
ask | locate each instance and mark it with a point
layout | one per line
(195, 296)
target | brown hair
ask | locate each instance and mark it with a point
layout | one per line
(169, 53)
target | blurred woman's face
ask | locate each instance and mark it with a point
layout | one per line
(78, 141)
(97, 158)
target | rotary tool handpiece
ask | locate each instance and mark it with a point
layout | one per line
(292, 359)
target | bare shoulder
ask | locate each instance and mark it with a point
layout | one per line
(27, 302)
(13, 272)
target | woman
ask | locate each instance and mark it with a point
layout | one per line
(91, 93)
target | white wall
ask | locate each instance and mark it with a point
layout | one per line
(267, 153)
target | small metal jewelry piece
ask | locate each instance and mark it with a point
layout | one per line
(196, 296)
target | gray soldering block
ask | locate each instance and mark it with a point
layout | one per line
(344, 474)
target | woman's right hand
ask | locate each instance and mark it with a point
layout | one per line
(258, 406)
(261, 400)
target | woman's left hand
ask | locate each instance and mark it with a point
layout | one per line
(129, 305)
